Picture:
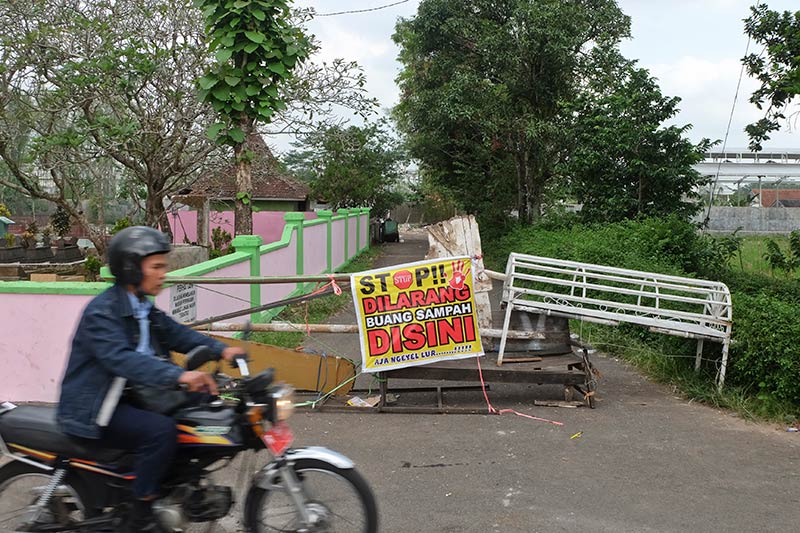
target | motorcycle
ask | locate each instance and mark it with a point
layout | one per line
(52, 482)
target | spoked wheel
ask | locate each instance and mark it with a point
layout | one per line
(338, 500)
(21, 485)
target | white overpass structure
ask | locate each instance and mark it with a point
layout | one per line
(742, 166)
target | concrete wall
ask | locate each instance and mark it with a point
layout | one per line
(758, 220)
(37, 320)
(184, 255)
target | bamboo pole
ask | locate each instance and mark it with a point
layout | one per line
(255, 280)
(347, 328)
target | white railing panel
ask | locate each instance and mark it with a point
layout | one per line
(606, 294)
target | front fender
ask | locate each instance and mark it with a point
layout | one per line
(264, 477)
(320, 454)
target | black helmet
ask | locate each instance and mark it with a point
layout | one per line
(129, 247)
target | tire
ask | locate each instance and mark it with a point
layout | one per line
(19, 484)
(272, 510)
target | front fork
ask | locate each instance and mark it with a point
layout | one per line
(282, 470)
(294, 487)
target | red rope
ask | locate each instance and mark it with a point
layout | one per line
(337, 290)
(494, 411)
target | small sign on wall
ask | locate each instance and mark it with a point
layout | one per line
(183, 302)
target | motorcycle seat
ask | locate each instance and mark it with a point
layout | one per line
(34, 426)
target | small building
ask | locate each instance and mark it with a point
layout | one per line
(272, 189)
(5, 222)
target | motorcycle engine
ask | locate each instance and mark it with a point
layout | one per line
(193, 504)
(203, 504)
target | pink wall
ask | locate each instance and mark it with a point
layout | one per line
(337, 243)
(267, 224)
(352, 245)
(35, 338)
(315, 249)
(214, 300)
(35, 341)
(281, 262)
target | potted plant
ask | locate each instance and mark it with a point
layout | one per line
(61, 223)
(13, 252)
(33, 252)
(66, 249)
(47, 236)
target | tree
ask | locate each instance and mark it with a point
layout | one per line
(256, 50)
(482, 88)
(778, 72)
(99, 91)
(356, 166)
(624, 163)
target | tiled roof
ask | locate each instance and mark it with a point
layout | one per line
(784, 197)
(269, 182)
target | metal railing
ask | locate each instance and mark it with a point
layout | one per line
(673, 305)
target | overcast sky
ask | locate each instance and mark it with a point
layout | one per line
(693, 47)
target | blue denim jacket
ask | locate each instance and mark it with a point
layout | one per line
(104, 346)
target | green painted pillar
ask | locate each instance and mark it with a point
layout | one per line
(326, 215)
(296, 220)
(250, 244)
(346, 214)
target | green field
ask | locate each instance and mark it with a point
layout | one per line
(752, 253)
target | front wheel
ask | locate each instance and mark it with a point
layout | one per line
(339, 500)
(21, 485)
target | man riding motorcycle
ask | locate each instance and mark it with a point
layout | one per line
(122, 337)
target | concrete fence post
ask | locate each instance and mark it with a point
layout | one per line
(346, 214)
(326, 215)
(356, 212)
(297, 220)
(249, 244)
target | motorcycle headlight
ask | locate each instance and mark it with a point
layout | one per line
(283, 400)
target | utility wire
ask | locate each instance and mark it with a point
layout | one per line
(725, 141)
(361, 10)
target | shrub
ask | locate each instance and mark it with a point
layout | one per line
(754, 284)
(120, 225)
(787, 261)
(61, 222)
(765, 353)
(220, 243)
(92, 266)
(668, 246)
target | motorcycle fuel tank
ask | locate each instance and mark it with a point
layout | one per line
(208, 426)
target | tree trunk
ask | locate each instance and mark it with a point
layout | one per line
(155, 215)
(243, 209)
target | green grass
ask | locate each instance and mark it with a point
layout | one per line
(750, 258)
(316, 311)
(668, 361)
